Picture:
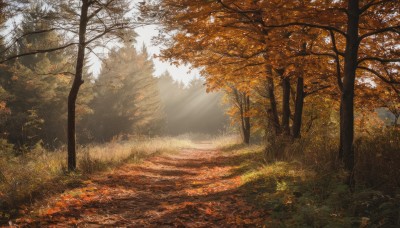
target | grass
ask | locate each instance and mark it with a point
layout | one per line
(40, 173)
(304, 186)
(224, 142)
(300, 183)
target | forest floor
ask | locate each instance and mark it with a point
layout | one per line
(196, 187)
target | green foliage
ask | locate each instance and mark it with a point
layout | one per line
(35, 87)
(126, 98)
(377, 208)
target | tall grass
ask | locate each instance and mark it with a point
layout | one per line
(378, 161)
(226, 141)
(302, 182)
(40, 172)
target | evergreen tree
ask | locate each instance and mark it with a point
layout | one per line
(126, 96)
(38, 84)
(4, 111)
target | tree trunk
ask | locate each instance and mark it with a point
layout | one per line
(247, 125)
(298, 112)
(347, 99)
(243, 102)
(246, 133)
(341, 133)
(273, 111)
(76, 85)
(286, 105)
(243, 125)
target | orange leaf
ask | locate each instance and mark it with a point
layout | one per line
(53, 210)
(238, 220)
(61, 204)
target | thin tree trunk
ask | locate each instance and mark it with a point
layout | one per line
(341, 133)
(286, 106)
(274, 118)
(247, 125)
(347, 100)
(241, 102)
(76, 85)
(243, 125)
(246, 133)
(298, 112)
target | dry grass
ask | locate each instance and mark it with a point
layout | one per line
(98, 157)
(302, 183)
(378, 161)
(41, 172)
(226, 141)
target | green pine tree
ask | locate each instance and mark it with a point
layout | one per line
(39, 84)
(126, 96)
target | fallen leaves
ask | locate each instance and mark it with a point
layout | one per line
(53, 210)
(208, 211)
(191, 189)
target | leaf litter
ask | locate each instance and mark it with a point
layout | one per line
(191, 189)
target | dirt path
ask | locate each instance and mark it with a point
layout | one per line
(194, 188)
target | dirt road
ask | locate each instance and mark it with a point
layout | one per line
(194, 188)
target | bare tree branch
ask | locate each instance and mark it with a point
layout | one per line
(373, 3)
(325, 27)
(382, 60)
(376, 73)
(379, 31)
(37, 52)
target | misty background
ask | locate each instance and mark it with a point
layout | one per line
(124, 93)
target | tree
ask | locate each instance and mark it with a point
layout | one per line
(4, 111)
(37, 84)
(358, 23)
(241, 108)
(127, 99)
(88, 21)
(349, 31)
(235, 50)
(96, 20)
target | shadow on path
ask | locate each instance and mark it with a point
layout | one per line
(194, 188)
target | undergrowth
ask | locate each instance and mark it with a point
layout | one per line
(40, 173)
(301, 183)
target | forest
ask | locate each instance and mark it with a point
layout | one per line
(292, 121)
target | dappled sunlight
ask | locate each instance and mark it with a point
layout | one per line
(289, 115)
(189, 108)
(164, 190)
(213, 181)
(44, 171)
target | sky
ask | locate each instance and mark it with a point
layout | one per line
(145, 35)
(181, 73)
